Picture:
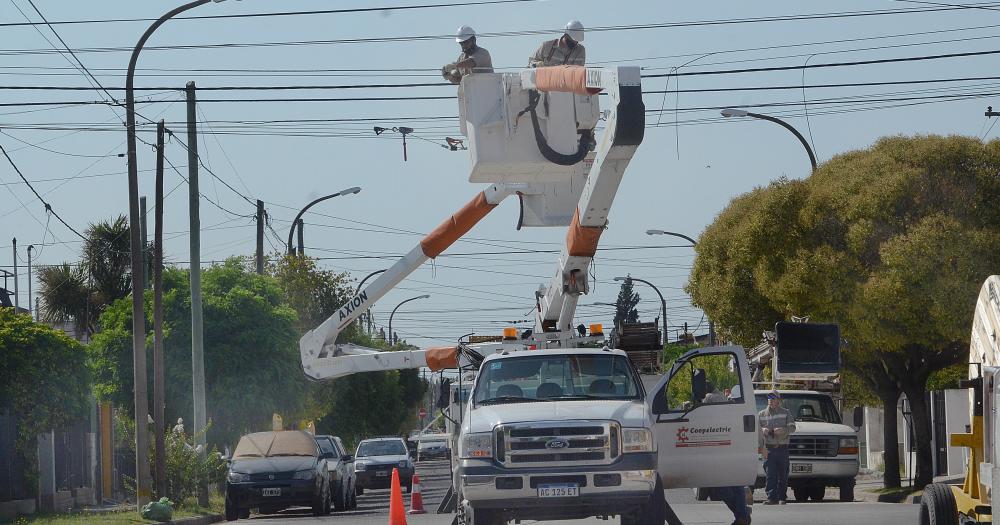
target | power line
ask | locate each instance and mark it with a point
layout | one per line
(48, 207)
(273, 14)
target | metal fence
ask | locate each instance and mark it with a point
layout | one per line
(73, 457)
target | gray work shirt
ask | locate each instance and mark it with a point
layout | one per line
(484, 64)
(550, 53)
(776, 418)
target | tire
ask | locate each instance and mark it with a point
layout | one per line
(937, 506)
(654, 511)
(817, 492)
(321, 502)
(847, 490)
(702, 494)
(353, 497)
(244, 514)
(232, 511)
(340, 498)
(801, 494)
(487, 517)
(360, 491)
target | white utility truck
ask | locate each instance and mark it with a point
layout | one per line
(551, 430)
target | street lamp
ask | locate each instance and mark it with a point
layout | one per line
(733, 112)
(681, 235)
(397, 308)
(136, 249)
(663, 302)
(291, 230)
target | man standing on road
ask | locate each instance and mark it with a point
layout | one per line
(563, 51)
(776, 425)
(473, 59)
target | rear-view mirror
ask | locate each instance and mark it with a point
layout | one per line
(699, 385)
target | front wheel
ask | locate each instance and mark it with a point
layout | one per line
(937, 506)
(321, 502)
(360, 491)
(801, 494)
(232, 511)
(653, 512)
(817, 493)
(847, 490)
(340, 498)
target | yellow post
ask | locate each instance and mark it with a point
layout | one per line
(107, 454)
(276, 423)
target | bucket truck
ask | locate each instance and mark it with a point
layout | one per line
(549, 430)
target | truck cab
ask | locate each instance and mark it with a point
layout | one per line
(573, 433)
(823, 450)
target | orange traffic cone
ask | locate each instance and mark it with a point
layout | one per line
(416, 500)
(397, 509)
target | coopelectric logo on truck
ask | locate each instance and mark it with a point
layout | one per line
(703, 437)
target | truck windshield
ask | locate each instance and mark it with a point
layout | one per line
(805, 407)
(550, 377)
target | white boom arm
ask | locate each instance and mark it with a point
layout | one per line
(623, 134)
(323, 358)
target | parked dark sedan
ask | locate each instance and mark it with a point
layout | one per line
(271, 471)
(375, 460)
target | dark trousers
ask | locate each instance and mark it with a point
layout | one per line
(736, 499)
(776, 468)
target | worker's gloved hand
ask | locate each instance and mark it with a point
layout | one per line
(450, 73)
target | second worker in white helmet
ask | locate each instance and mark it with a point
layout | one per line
(565, 50)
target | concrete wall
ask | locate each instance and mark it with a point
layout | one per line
(956, 406)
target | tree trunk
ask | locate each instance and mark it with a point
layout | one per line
(890, 437)
(921, 418)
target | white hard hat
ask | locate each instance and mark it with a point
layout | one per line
(575, 30)
(464, 33)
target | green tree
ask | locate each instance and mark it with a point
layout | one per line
(44, 380)
(891, 242)
(625, 304)
(79, 293)
(251, 351)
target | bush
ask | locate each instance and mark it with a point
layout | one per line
(186, 470)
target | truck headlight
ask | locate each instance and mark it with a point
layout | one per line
(360, 467)
(238, 477)
(478, 445)
(636, 440)
(304, 474)
(848, 445)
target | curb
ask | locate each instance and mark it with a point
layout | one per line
(197, 520)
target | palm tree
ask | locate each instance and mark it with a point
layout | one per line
(79, 293)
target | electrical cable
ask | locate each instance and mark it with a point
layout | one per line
(48, 207)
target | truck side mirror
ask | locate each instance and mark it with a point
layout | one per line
(699, 385)
(859, 417)
(443, 391)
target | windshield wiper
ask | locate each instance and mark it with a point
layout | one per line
(507, 399)
(577, 396)
(286, 455)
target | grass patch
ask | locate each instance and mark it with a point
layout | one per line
(216, 505)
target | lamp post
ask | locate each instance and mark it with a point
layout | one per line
(368, 312)
(136, 250)
(35, 316)
(663, 302)
(397, 308)
(295, 221)
(733, 112)
(681, 235)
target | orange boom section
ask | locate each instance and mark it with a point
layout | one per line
(570, 79)
(441, 357)
(456, 226)
(581, 241)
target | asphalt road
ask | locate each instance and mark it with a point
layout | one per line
(373, 509)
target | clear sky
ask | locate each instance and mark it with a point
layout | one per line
(691, 163)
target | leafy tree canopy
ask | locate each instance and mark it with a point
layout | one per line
(891, 242)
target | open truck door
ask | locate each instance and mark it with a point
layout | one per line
(705, 420)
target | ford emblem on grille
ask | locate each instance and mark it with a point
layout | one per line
(556, 443)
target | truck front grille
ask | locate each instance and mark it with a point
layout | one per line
(812, 446)
(557, 443)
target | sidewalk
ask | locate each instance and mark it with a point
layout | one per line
(868, 489)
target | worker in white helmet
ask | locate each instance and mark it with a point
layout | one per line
(473, 58)
(565, 50)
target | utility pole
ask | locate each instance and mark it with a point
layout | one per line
(159, 381)
(302, 248)
(144, 233)
(197, 341)
(30, 247)
(711, 332)
(260, 237)
(16, 303)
